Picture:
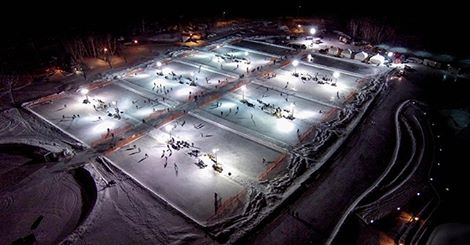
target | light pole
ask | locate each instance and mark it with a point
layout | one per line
(114, 102)
(295, 63)
(169, 128)
(292, 106)
(214, 151)
(243, 92)
(313, 31)
(336, 75)
(84, 91)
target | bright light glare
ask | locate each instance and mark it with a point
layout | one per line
(295, 63)
(166, 70)
(336, 74)
(103, 126)
(142, 75)
(169, 127)
(84, 91)
(184, 91)
(163, 139)
(228, 105)
(246, 53)
(244, 87)
(313, 31)
(215, 150)
(159, 64)
(305, 114)
(285, 125)
(390, 54)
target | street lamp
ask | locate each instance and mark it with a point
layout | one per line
(214, 151)
(84, 91)
(243, 91)
(390, 54)
(105, 50)
(295, 63)
(159, 64)
(292, 109)
(336, 75)
(313, 31)
(169, 128)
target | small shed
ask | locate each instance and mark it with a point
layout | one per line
(361, 56)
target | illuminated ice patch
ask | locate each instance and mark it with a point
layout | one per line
(285, 125)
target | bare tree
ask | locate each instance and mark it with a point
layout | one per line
(370, 30)
(353, 28)
(10, 82)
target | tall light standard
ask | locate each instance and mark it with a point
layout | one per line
(292, 106)
(214, 151)
(243, 92)
(169, 128)
(313, 31)
(295, 63)
(336, 75)
(84, 91)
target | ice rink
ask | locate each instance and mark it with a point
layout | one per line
(247, 129)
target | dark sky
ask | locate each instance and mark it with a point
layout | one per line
(442, 21)
(86, 11)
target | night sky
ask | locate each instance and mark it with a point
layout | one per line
(440, 24)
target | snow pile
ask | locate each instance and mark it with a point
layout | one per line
(242, 222)
(17, 127)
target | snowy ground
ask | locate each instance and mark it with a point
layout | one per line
(238, 128)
